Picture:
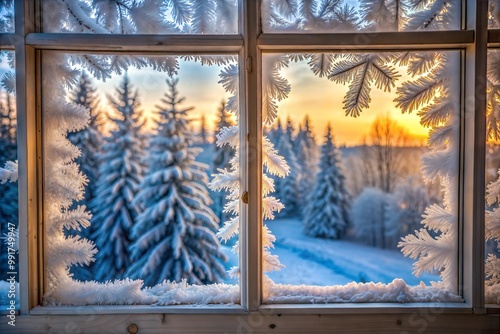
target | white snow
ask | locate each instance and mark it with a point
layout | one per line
(327, 271)
(396, 291)
(169, 293)
(315, 261)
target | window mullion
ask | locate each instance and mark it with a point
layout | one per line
(472, 238)
(367, 40)
(251, 154)
(27, 157)
(478, 228)
(134, 43)
(8, 40)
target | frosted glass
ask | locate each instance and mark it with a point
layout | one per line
(141, 17)
(318, 16)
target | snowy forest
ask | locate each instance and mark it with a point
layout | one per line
(141, 205)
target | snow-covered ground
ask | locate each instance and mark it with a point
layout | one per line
(316, 271)
(335, 271)
(313, 261)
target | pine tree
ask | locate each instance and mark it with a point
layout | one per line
(220, 161)
(175, 234)
(120, 173)
(307, 154)
(203, 129)
(289, 130)
(287, 188)
(327, 211)
(276, 133)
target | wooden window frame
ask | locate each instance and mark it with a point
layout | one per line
(252, 316)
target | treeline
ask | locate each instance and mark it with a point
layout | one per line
(153, 217)
(374, 195)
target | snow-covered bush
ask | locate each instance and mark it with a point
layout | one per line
(369, 217)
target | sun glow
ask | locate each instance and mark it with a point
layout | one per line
(321, 99)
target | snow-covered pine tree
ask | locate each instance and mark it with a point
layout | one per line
(203, 130)
(307, 153)
(289, 130)
(276, 132)
(222, 155)
(327, 211)
(287, 188)
(121, 170)
(175, 234)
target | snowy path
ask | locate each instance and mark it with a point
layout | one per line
(314, 261)
(300, 268)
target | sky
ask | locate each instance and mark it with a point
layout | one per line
(319, 98)
(197, 83)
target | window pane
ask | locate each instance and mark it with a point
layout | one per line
(492, 265)
(141, 17)
(6, 16)
(134, 165)
(345, 190)
(494, 15)
(298, 16)
(9, 250)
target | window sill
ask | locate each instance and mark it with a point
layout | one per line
(137, 309)
(421, 320)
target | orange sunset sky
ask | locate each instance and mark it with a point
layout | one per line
(318, 97)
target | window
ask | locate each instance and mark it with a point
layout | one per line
(141, 210)
(365, 67)
(369, 186)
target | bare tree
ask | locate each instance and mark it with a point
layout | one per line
(383, 158)
(387, 139)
